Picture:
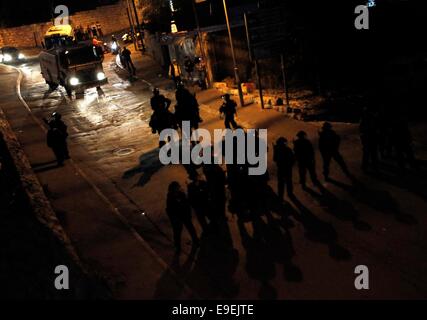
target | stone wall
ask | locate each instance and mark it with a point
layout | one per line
(113, 18)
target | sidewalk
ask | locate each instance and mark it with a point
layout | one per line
(101, 236)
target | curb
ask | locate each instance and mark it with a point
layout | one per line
(34, 191)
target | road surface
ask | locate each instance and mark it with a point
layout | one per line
(308, 250)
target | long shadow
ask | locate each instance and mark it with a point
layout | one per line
(271, 242)
(379, 200)
(210, 271)
(149, 165)
(340, 209)
(320, 232)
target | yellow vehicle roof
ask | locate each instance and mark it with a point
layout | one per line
(62, 31)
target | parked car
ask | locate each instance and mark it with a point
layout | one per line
(11, 55)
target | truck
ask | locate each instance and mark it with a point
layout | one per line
(74, 66)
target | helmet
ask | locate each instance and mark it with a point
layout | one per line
(302, 134)
(282, 141)
(56, 116)
(327, 126)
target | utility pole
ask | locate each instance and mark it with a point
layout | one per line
(253, 58)
(236, 69)
(138, 25)
(199, 34)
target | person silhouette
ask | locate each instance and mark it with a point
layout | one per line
(329, 146)
(285, 159)
(304, 153)
(179, 212)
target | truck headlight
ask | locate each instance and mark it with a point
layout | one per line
(21, 56)
(100, 76)
(74, 81)
(7, 58)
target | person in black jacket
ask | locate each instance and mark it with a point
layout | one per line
(329, 146)
(55, 141)
(304, 153)
(285, 159)
(229, 110)
(179, 212)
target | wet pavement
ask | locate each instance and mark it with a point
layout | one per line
(310, 252)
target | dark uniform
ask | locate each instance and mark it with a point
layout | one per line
(58, 123)
(285, 159)
(305, 156)
(127, 59)
(369, 137)
(187, 108)
(179, 213)
(329, 145)
(402, 141)
(229, 110)
(55, 141)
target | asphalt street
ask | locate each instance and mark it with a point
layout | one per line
(309, 251)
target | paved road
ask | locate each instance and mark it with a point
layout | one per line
(379, 222)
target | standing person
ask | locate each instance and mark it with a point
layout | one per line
(369, 139)
(89, 31)
(285, 159)
(62, 127)
(304, 154)
(402, 141)
(179, 212)
(175, 72)
(189, 67)
(187, 108)
(55, 141)
(127, 58)
(161, 118)
(99, 29)
(94, 30)
(229, 110)
(198, 194)
(329, 145)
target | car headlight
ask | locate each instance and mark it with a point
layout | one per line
(7, 58)
(100, 76)
(21, 56)
(74, 81)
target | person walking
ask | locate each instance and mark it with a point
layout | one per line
(62, 127)
(99, 29)
(285, 160)
(305, 156)
(55, 141)
(179, 212)
(189, 67)
(329, 146)
(369, 138)
(175, 72)
(229, 110)
(402, 141)
(127, 58)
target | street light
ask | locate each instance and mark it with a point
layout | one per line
(236, 69)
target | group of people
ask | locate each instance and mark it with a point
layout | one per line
(91, 31)
(186, 109)
(385, 137)
(191, 67)
(303, 155)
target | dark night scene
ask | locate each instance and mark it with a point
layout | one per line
(197, 151)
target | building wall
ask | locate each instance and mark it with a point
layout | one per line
(113, 18)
